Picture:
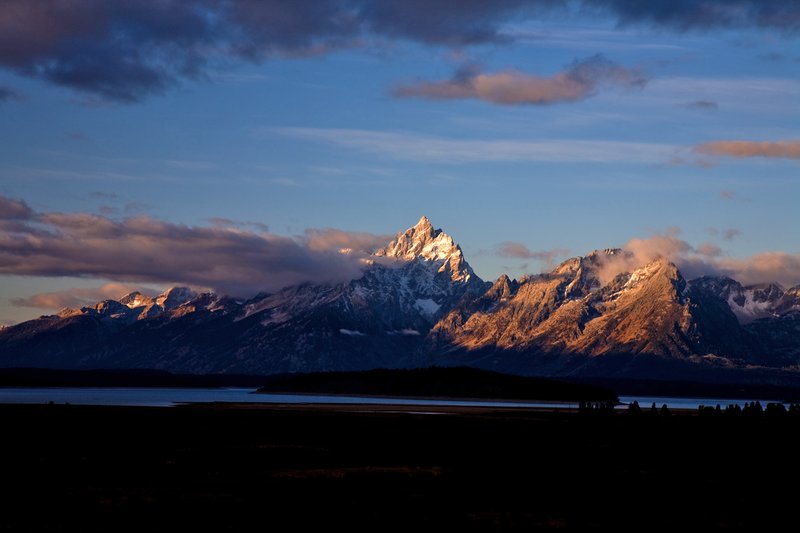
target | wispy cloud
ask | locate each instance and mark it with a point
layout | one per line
(727, 234)
(408, 146)
(744, 149)
(731, 233)
(579, 81)
(704, 105)
(517, 250)
(765, 94)
(8, 94)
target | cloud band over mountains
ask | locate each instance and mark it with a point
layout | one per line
(126, 50)
(707, 259)
(239, 262)
(142, 249)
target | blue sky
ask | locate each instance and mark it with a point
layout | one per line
(326, 138)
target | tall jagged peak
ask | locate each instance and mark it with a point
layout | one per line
(504, 287)
(424, 224)
(422, 241)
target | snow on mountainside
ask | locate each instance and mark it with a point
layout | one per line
(753, 302)
(418, 302)
(422, 242)
(416, 277)
(650, 310)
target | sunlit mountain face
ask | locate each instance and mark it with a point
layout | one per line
(417, 302)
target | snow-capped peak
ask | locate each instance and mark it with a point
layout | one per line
(422, 241)
(174, 297)
(135, 299)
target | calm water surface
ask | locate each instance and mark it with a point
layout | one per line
(167, 397)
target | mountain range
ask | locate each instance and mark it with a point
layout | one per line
(419, 303)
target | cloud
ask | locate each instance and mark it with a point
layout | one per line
(705, 105)
(142, 249)
(11, 209)
(703, 14)
(127, 50)
(704, 260)
(730, 234)
(78, 297)
(412, 147)
(727, 194)
(727, 234)
(222, 222)
(327, 239)
(517, 250)
(7, 94)
(743, 149)
(103, 195)
(579, 81)
(782, 267)
(709, 249)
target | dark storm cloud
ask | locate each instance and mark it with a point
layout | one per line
(703, 14)
(146, 250)
(446, 22)
(126, 50)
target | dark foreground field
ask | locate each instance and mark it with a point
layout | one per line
(72, 468)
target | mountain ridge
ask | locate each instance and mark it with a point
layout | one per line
(418, 302)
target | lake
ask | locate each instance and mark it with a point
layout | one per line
(168, 397)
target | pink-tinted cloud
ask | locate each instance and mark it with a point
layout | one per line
(78, 297)
(11, 209)
(579, 81)
(327, 239)
(143, 249)
(706, 259)
(782, 267)
(517, 250)
(709, 249)
(742, 149)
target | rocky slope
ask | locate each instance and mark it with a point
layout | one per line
(379, 319)
(417, 303)
(568, 322)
